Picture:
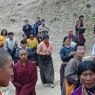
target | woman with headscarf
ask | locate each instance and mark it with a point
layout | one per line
(44, 50)
(86, 72)
(66, 53)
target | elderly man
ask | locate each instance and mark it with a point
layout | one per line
(72, 36)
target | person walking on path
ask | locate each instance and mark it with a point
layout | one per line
(66, 53)
(25, 75)
(80, 29)
(44, 50)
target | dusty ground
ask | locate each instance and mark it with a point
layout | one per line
(40, 88)
(60, 15)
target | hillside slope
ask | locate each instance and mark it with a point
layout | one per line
(60, 16)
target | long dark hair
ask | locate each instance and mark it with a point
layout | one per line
(86, 65)
(3, 31)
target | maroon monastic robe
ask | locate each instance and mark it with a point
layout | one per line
(25, 78)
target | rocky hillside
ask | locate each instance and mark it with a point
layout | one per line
(60, 16)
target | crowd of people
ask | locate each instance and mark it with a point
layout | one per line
(76, 76)
(19, 62)
(34, 51)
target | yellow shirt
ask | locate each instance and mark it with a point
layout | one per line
(2, 39)
(32, 43)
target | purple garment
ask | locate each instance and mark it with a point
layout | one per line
(78, 91)
(74, 38)
(81, 38)
(79, 27)
(24, 78)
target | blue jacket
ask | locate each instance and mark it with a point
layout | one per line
(28, 30)
(64, 53)
(35, 28)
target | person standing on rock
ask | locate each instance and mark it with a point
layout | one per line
(71, 71)
(66, 53)
(27, 28)
(25, 75)
(44, 50)
(5, 69)
(80, 29)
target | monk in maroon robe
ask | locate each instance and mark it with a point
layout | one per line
(25, 75)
